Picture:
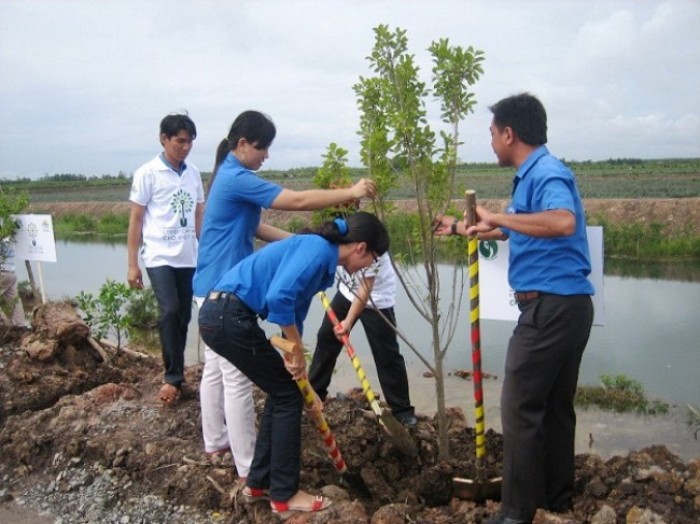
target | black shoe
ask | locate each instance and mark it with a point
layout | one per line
(498, 518)
(407, 419)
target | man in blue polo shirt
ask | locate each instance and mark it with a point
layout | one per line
(548, 268)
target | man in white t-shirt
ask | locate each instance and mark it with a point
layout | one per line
(352, 302)
(167, 205)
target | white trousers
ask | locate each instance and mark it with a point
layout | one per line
(228, 414)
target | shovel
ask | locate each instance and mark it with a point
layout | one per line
(397, 433)
(479, 488)
(287, 347)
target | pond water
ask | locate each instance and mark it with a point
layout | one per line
(651, 335)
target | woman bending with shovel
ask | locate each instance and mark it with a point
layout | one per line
(277, 284)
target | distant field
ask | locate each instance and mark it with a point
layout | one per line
(670, 178)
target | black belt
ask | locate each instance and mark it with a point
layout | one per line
(527, 295)
(228, 297)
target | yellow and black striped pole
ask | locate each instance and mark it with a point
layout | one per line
(366, 389)
(473, 260)
(393, 428)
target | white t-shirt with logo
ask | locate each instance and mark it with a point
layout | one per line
(169, 235)
(384, 291)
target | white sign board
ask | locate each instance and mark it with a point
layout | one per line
(34, 238)
(496, 301)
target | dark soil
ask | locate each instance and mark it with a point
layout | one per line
(68, 414)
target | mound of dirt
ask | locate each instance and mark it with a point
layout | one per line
(84, 437)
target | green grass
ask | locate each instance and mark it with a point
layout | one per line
(619, 178)
(647, 242)
(621, 394)
(81, 224)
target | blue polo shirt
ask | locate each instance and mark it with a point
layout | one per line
(557, 265)
(279, 281)
(231, 217)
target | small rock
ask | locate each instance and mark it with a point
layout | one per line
(597, 489)
(391, 514)
(606, 515)
(637, 515)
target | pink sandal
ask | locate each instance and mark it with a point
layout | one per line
(284, 510)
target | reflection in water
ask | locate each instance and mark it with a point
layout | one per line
(686, 271)
(93, 239)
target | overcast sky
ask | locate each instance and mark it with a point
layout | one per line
(84, 84)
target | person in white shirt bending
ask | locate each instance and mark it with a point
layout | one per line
(352, 302)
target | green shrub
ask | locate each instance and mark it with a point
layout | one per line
(142, 309)
(619, 393)
(113, 224)
(105, 313)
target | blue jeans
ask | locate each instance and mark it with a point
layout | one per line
(230, 328)
(172, 287)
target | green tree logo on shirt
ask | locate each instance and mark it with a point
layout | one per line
(182, 203)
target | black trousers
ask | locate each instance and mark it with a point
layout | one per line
(537, 403)
(230, 328)
(391, 367)
(172, 287)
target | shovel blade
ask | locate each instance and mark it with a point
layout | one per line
(477, 491)
(398, 434)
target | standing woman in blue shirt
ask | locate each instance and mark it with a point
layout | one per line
(277, 284)
(232, 222)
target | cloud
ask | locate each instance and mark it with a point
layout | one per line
(84, 84)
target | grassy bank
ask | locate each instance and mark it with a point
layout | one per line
(650, 209)
(71, 225)
(634, 241)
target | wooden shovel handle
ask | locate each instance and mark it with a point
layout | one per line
(470, 197)
(287, 346)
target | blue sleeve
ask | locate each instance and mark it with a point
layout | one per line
(554, 186)
(249, 187)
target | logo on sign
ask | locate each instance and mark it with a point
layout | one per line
(488, 249)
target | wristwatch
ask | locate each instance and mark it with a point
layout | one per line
(453, 227)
